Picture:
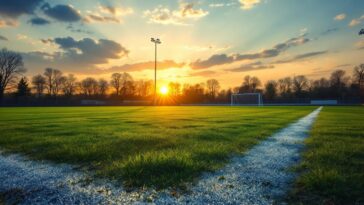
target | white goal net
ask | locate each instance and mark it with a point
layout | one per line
(248, 99)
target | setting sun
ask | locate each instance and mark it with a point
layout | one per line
(164, 90)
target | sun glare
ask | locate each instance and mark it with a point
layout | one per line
(163, 90)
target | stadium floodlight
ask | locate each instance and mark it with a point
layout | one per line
(156, 41)
(247, 99)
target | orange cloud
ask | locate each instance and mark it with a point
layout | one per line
(340, 17)
(163, 15)
(221, 59)
(248, 4)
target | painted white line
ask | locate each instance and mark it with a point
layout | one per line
(259, 177)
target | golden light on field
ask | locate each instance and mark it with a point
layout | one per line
(164, 90)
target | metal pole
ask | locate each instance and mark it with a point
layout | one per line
(155, 73)
(155, 41)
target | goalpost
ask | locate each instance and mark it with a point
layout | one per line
(247, 99)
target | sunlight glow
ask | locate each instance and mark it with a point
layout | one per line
(164, 90)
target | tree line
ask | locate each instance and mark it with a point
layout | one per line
(53, 84)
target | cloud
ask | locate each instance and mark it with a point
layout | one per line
(107, 14)
(71, 28)
(163, 15)
(8, 22)
(343, 65)
(356, 22)
(217, 59)
(216, 5)
(211, 47)
(3, 38)
(360, 44)
(64, 13)
(267, 53)
(205, 73)
(250, 67)
(89, 51)
(47, 41)
(187, 10)
(301, 56)
(340, 17)
(91, 18)
(162, 65)
(311, 54)
(77, 56)
(319, 72)
(103, 14)
(330, 30)
(116, 11)
(21, 37)
(37, 21)
(39, 56)
(14, 8)
(248, 4)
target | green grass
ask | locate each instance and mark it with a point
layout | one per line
(141, 146)
(333, 164)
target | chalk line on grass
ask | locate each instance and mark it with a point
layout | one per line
(261, 176)
(258, 177)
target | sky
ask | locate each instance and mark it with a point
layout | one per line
(201, 39)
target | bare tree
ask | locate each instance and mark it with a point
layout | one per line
(285, 86)
(321, 83)
(11, 66)
(127, 84)
(250, 84)
(359, 75)
(143, 88)
(213, 87)
(116, 82)
(89, 86)
(69, 85)
(174, 89)
(338, 79)
(193, 93)
(300, 83)
(54, 81)
(236, 89)
(59, 80)
(103, 86)
(39, 84)
(271, 89)
(48, 73)
(95, 88)
(246, 84)
(255, 83)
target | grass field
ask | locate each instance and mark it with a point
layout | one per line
(333, 165)
(141, 146)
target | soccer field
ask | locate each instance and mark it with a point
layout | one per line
(142, 146)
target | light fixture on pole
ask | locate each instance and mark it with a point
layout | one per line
(156, 41)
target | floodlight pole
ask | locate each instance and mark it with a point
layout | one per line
(155, 41)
